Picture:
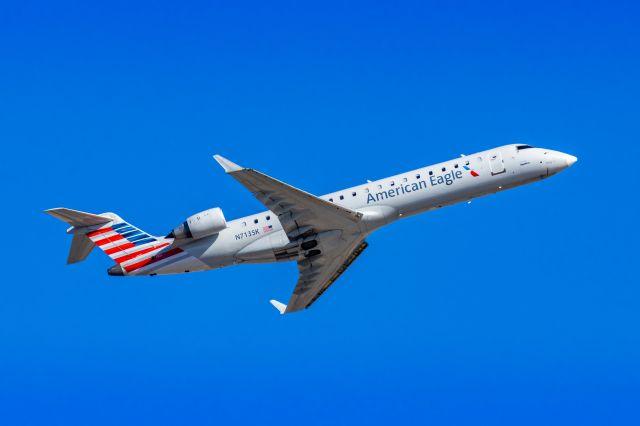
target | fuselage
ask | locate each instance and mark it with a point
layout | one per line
(259, 238)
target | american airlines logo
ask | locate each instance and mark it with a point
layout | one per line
(471, 171)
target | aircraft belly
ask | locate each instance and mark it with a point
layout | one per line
(180, 265)
(262, 249)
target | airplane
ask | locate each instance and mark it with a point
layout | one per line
(323, 234)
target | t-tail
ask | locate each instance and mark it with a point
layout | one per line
(130, 247)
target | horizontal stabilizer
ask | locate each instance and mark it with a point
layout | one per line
(281, 307)
(77, 218)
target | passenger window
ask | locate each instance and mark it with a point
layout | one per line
(331, 199)
(392, 183)
(466, 163)
(456, 166)
(430, 173)
(342, 197)
(255, 220)
(417, 176)
(444, 169)
(353, 194)
(268, 217)
(379, 186)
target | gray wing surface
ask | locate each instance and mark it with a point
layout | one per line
(295, 208)
(319, 272)
(300, 214)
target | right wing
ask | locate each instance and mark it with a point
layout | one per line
(319, 272)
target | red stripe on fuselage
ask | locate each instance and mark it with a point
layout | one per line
(137, 265)
(153, 259)
(138, 253)
(99, 231)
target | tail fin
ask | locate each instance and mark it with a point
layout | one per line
(127, 245)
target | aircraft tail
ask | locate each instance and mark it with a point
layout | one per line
(130, 247)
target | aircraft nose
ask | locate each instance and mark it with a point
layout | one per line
(557, 161)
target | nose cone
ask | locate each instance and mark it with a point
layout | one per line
(556, 161)
(570, 159)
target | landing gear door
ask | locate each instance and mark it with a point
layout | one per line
(496, 163)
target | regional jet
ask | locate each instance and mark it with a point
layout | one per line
(323, 234)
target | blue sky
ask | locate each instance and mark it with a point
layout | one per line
(521, 308)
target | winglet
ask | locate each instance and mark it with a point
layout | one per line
(281, 307)
(227, 165)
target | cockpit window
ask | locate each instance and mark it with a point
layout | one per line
(519, 147)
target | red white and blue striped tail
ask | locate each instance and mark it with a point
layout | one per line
(130, 247)
(127, 245)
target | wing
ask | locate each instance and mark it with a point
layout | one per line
(303, 214)
(297, 210)
(319, 272)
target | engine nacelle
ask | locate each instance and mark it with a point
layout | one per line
(201, 224)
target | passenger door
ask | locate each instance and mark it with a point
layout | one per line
(496, 163)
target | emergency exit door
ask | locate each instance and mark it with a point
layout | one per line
(496, 163)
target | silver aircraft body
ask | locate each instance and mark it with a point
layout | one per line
(323, 234)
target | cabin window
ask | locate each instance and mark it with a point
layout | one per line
(444, 169)
(255, 220)
(268, 218)
(331, 199)
(379, 186)
(342, 197)
(353, 194)
(404, 179)
(466, 163)
(430, 173)
(392, 183)
(417, 176)
(456, 166)
(521, 147)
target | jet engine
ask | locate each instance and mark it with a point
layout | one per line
(200, 225)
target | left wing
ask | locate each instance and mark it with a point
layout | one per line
(295, 208)
(303, 215)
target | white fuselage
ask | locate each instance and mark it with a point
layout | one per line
(259, 238)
